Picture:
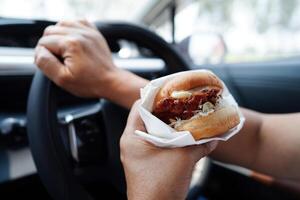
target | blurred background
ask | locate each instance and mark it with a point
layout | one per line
(252, 45)
(208, 31)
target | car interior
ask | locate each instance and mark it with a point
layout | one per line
(54, 145)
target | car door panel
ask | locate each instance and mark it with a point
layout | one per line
(271, 87)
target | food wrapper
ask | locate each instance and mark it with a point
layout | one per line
(160, 133)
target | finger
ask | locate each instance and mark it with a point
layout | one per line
(87, 24)
(59, 30)
(69, 31)
(54, 43)
(68, 23)
(134, 121)
(48, 63)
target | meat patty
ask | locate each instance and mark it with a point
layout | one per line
(184, 108)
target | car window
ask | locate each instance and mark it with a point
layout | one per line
(56, 10)
(73, 9)
(231, 31)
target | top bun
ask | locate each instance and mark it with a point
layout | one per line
(186, 82)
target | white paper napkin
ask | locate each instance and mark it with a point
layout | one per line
(161, 134)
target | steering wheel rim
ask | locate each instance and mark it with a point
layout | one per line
(144, 37)
(51, 160)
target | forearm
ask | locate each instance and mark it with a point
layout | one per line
(156, 190)
(125, 88)
(267, 143)
(173, 184)
(279, 155)
(242, 148)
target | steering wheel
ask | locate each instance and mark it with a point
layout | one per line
(56, 152)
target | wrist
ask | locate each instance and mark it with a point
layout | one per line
(158, 190)
(168, 186)
(123, 87)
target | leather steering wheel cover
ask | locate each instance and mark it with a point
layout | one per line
(47, 149)
(51, 160)
(146, 38)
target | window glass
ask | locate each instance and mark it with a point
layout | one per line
(125, 10)
(214, 31)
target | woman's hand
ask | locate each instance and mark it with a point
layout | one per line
(153, 172)
(76, 57)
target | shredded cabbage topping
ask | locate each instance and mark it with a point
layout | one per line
(204, 110)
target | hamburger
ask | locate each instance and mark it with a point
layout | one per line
(193, 102)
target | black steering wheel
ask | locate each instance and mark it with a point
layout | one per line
(55, 152)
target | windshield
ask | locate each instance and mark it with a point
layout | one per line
(206, 31)
(74, 9)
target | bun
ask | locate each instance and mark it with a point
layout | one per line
(187, 82)
(193, 102)
(214, 124)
